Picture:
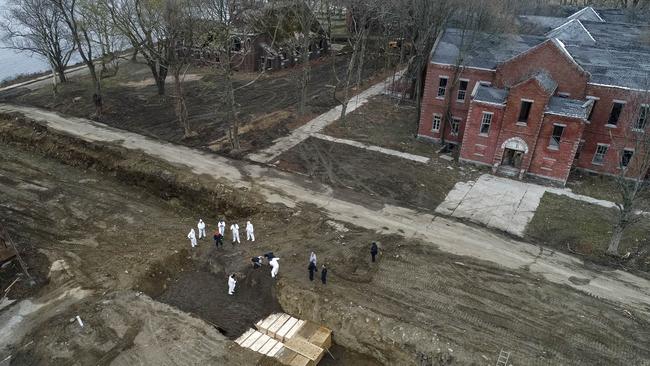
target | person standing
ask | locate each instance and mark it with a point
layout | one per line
(323, 275)
(250, 231)
(231, 284)
(257, 262)
(222, 227)
(275, 266)
(218, 239)
(201, 227)
(312, 268)
(374, 250)
(234, 228)
(192, 237)
(312, 258)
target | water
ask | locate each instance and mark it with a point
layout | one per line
(14, 63)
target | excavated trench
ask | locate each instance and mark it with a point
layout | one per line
(192, 281)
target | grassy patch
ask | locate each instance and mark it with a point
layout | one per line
(389, 178)
(568, 225)
(598, 186)
(383, 122)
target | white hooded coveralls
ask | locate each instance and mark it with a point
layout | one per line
(250, 234)
(234, 228)
(231, 285)
(201, 226)
(275, 266)
(192, 237)
(222, 227)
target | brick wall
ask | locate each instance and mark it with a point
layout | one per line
(547, 56)
(479, 147)
(551, 162)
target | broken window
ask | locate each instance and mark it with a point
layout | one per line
(556, 136)
(617, 108)
(462, 90)
(593, 107)
(442, 87)
(644, 113)
(485, 123)
(599, 156)
(524, 111)
(455, 126)
(626, 157)
(435, 127)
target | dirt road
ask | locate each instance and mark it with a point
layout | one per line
(453, 237)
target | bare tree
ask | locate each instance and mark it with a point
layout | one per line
(37, 26)
(304, 14)
(73, 15)
(633, 154)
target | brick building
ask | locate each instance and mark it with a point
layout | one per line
(541, 104)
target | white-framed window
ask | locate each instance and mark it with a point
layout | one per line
(462, 90)
(435, 125)
(599, 155)
(442, 86)
(486, 121)
(626, 157)
(455, 126)
(644, 114)
(556, 136)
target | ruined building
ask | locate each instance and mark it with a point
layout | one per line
(541, 104)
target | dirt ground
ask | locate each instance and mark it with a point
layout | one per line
(387, 122)
(581, 228)
(391, 179)
(268, 106)
(111, 244)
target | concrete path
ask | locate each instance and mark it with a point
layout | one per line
(360, 145)
(317, 124)
(502, 203)
(447, 235)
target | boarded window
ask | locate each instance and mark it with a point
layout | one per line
(462, 90)
(486, 121)
(442, 87)
(599, 156)
(617, 108)
(524, 111)
(455, 126)
(556, 137)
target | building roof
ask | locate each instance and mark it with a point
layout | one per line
(619, 35)
(632, 16)
(587, 13)
(486, 50)
(574, 31)
(490, 95)
(568, 107)
(546, 81)
(542, 22)
(614, 67)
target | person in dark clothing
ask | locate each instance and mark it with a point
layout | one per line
(269, 256)
(374, 250)
(257, 262)
(218, 239)
(323, 275)
(312, 268)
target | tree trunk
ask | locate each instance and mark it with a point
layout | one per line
(614, 242)
(97, 96)
(348, 80)
(362, 55)
(232, 112)
(180, 106)
(304, 78)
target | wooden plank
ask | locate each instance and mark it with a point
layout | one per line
(267, 346)
(308, 329)
(322, 337)
(285, 356)
(243, 337)
(303, 347)
(299, 360)
(273, 329)
(264, 324)
(282, 332)
(295, 329)
(260, 342)
(250, 340)
(276, 350)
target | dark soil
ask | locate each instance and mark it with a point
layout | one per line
(205, 294)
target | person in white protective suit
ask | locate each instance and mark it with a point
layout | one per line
(231, 284)
(234, 228)
(222, 227)
(250, 231)
(201, 226)
(275, 267)
(312, 258)
(192, 237)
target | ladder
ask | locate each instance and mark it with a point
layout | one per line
(503, 358)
